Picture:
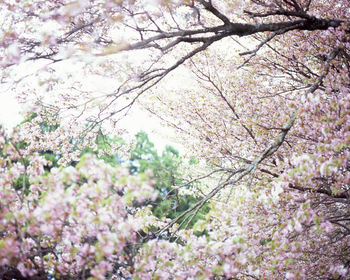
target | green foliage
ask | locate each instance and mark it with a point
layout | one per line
(104, 144)
(165, 168)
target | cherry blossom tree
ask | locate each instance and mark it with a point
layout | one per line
(70, 223)
(267, 109)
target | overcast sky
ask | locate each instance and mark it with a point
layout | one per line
(11, 113)
(9, 110)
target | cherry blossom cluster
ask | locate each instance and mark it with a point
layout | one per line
(71, 221)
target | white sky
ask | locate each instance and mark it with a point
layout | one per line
(11, 113)
(9, 110)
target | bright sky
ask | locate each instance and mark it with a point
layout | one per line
(9, 110)
(11, 113)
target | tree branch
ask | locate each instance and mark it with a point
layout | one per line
(242, 173)
(343, 195)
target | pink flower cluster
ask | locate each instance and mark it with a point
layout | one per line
(71, 221)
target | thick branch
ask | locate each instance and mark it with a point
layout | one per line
(238, 29)
(209, 7)
(343, 195)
